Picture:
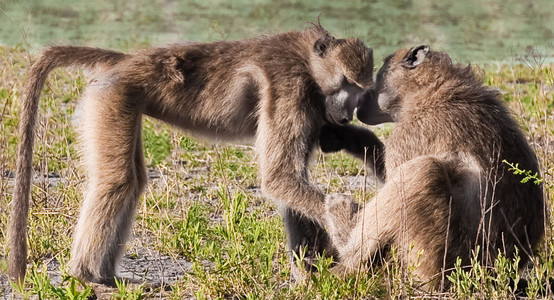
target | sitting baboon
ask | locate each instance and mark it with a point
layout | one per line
(278, 90)
(447, 190)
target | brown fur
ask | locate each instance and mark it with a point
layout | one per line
(277, 90)
(447, 191)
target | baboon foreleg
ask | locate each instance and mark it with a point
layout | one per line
(307, 238)
(113, 157)
(283, 152)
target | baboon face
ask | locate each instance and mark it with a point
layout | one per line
(382, 103)
(343, 69)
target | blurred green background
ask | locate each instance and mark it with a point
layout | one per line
(472, 30)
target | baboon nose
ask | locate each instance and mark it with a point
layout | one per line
(344, 121)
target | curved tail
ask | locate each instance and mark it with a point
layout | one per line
(50, 58)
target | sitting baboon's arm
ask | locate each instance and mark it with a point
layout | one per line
(357, 141)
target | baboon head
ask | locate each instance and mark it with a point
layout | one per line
(404, 72)
(343, 69)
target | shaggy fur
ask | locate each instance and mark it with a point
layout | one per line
(447, 191)
(278, 90)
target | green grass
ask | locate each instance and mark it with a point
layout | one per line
(473, 30)
(204, 205)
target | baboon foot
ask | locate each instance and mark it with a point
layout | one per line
(82, 271)
(343, 269)
(107, 289)
(339, 270)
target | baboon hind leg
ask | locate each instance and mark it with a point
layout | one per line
(410, 212)
(114, 161)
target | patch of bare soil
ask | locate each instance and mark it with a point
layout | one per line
(153, 268)
(146, 266)
(5, 288)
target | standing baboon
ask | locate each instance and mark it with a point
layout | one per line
(278, 90)
(447, 190)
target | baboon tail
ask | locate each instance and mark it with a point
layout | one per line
(51, 58)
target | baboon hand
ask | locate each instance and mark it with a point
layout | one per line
(331, 139)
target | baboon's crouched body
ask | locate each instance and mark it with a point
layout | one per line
(447, 191)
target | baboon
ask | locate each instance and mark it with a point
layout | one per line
(278, 90)
(448, 190)
(357, 141)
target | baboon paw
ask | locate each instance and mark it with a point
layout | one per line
(341, 270)
(330, 139)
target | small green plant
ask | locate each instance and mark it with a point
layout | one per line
(527, 174)
(187, 143)
(19, 289)
(71, 289)
(157, 144)
(235, 209)
(124, 293)
(41, 287)
(479, 281)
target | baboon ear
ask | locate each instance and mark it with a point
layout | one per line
(321, 45)
(415, 56)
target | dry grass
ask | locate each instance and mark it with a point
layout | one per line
(203, 229)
